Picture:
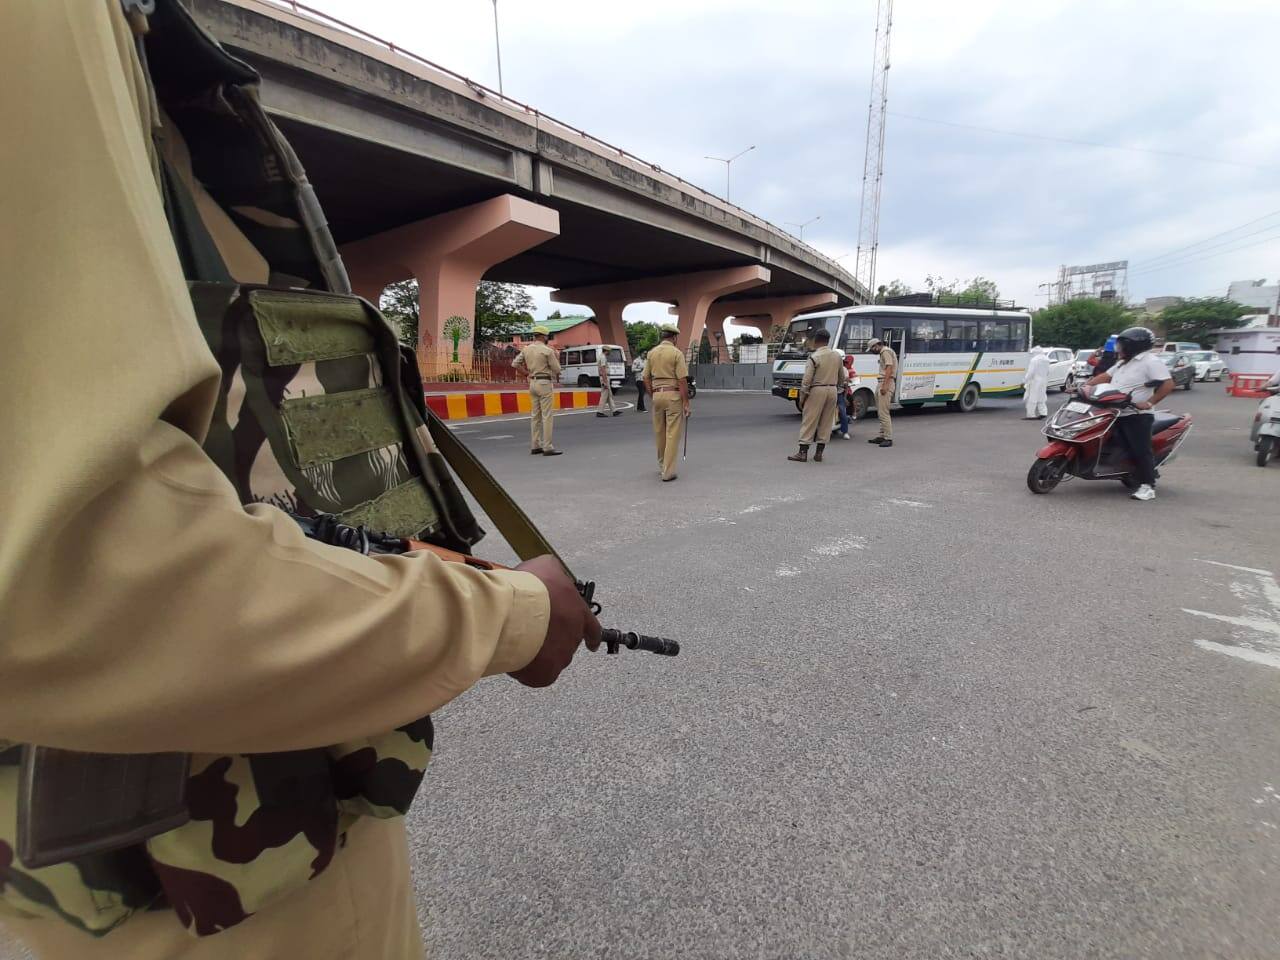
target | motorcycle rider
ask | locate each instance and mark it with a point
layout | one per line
(1136, 366)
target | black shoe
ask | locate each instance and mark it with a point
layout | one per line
(601, 414)
(552, 453)
(884, 444)
(536, 452)
(876, 440)
(617, 413)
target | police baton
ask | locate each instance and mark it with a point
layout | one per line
(685, 455)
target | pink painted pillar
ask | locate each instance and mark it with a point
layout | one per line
(695, 296)
(448, 254)
(608, 314)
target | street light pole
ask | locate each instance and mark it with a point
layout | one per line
(727, 163)
(497, 46)
(801, 226)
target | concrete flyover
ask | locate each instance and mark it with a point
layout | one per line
(424, 173)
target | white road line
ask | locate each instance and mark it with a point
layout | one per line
(499, 436)
(1258, 638)
(1232, 566)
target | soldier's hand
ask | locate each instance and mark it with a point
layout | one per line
(571, 623)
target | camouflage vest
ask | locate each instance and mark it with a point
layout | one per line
(320, 411)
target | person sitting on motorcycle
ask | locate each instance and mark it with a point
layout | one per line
(1137, 365)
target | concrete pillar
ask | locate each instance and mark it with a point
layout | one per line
(448, 254)
(692, 294)
(608, 314)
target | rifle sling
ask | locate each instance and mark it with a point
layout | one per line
(512, 522)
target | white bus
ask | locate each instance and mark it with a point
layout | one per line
(951, 355)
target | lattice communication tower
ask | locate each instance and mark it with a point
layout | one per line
(864, 270)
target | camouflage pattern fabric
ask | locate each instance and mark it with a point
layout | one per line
(95, 894)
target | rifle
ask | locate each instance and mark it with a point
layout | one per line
(73, 804)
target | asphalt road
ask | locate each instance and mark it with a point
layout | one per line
(919, 712)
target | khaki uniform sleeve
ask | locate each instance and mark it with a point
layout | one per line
(519, 362)
(806, 382)
(682, 365)
(554, 363)
(143, 607)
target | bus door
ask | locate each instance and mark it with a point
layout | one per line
(896, 338)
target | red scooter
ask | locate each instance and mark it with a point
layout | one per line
(1081, 442)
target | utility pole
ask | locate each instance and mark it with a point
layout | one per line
(801, 226)
(864, 270)
(497, 46)
(727, 163)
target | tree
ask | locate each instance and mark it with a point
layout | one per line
(1193, 320)
(502, 310)
(399, 304)
(642, 336)
(951, 293)
(704, 349)
(1079, 324)
(894, 288)
(555, 315)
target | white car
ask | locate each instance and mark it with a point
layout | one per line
(1209, 365)
(1061, 361)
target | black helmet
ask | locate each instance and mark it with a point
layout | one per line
(1134, 341)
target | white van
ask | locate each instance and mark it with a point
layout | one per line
(578, 366)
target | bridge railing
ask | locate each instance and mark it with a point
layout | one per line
(319, 16)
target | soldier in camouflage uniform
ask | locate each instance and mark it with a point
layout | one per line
(153, 596)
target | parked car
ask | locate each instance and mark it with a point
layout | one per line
(1081, 368)
(1209, 365)
(578, 366)
(1060, 365)
(1183, 370)
(1180, 346)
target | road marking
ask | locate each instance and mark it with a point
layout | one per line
(499, 436)
(838, 548)
(909, 503)
(786, 572)
(1258, 639)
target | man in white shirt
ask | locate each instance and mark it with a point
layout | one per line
(637, 367)
(1138, 366)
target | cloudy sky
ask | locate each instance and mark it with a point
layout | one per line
(1186, 93)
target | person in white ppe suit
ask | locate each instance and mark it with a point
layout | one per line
(1036, 384)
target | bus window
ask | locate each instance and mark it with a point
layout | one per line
(800, 330)
(993, 336)
(589, 356)
(1018, 335)
(928, 335)
(857, 331)
(572, 358)
(962, 335)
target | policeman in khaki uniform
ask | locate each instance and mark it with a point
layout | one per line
(145, 608)
(542, 367)
(884, 390)
(607, 404)
(824, 378)
(666, 378)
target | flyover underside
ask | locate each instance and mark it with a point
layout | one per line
(367, 187)
(387, 146)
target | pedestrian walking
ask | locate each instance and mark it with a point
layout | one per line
(884, 390)
(666, 377)
(824, 380)
(637, 369)
(607, 405)
(541, 367)
(1035, 384)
